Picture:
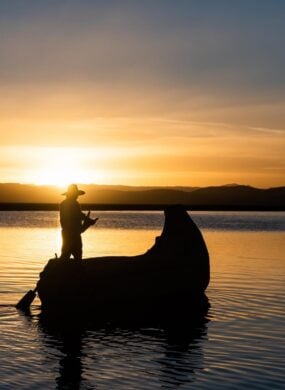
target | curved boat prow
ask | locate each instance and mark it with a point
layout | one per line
(181, 242)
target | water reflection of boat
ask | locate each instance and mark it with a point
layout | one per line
(123, 357)
(168, 279)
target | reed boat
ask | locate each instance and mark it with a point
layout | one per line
(170, 277)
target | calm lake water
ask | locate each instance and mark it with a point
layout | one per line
(239, 345)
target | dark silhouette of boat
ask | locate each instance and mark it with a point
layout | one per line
(170, 278)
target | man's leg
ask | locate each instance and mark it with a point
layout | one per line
(66, 247)
(77, 248)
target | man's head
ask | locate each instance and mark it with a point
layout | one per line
(73, 192)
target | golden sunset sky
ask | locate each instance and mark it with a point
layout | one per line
(142, 92)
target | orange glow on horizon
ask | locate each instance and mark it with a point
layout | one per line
(145, 152)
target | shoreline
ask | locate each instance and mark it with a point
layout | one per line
(136, 207)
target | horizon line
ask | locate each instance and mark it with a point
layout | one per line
(142, 185)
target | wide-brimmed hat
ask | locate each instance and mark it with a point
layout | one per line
(72, 189)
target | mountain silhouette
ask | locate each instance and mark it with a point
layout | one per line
(233, 195)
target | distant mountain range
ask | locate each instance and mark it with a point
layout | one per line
(227, 196)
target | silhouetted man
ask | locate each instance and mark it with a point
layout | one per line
(73, 222)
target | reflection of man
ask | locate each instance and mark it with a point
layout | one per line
(73, 222)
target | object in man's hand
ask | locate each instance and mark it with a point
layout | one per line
(92, 221)
(87, 223)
